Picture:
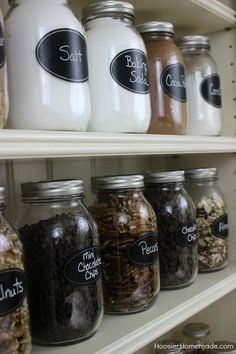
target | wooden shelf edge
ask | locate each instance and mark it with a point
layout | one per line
(219, 9)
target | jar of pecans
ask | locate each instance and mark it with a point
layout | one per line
(128, 236)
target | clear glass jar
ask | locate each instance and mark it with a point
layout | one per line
(197, 334)
(176, 228)
(118, 72)
(224, 347)
(128, 233)
(168, 346)
(167, 79)
(62, 262)
(203, 87)
(14, 317)
(212, 218)
(4, 98)
(48, 71)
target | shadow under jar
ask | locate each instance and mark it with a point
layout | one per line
(176, 228)
(128, 234)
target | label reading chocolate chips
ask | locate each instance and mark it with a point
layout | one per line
(63, 53)
(210, 90)
(220, 227)
(186, 235)
(2, 47)
(85, 267)
(173, 82)
(12, 290)
(130, 70)
(144, 251)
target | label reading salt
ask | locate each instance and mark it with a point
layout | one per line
(173, 82)
(220, 227)
(210, 90)
(130, 70)
(63, 53)
(2, 47)
(186, 235)
(144, 251)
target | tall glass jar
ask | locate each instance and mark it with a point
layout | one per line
(14, 318)
(48, 71)
(62, 261)
(212, 218)
(128, 233)
(118, 72)
(167, 79)
(203, 86)
(197, 334)
(176, 228)
(4, 98)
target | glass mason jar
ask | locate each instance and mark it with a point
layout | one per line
(212, 218)
(48, 72)
(176, 228)
(128, 233)
(224, 347)
(168, 346)
(198, 335)
(203, 86)
(4, 98)
(62, 261)
(14, 317)
(167, 79)
(118, 72)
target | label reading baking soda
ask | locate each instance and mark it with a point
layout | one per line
(220, 227)
(173, 82)
(63, 53)
(144, 251)
(210, 90)
(2, 47)
(186, 234)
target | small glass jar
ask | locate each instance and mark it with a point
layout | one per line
(203, 86)
(14, 317)
(128, 233)
(4, 98)
(212, 218)
(198, 335)
(224, 347)
(176, 228)
(167, 79)
(118, 71)
(168, 346)
(62, 262)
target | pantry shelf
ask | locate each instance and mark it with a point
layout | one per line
(126, 334)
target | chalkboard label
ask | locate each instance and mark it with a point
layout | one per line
(2, 47)
(186, 235)
(173, 82)
(130, 70)
(12, 290)
(210, 90)
(85, 267)
(63, 53)
(220, 227)
(144, 251)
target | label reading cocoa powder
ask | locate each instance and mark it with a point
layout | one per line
(210, 90)
(63, 53)
(144, 251)
(2, 47)
(220, 227)
(173, 82)
(186, 235)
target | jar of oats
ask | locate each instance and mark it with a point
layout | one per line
(212, 219)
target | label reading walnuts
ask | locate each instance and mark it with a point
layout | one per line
(220, 227)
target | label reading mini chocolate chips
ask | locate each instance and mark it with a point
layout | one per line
(12, 290)
(173, 82)
(186, 235)
(220, 227)
(85, 267)
(2, 47)
(63, 53)
(130, 70)
(144, 251)
(210, 90)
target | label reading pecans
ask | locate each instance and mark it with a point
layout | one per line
(130, 70)
(63, 53)
(220, 227)
(85, 267)
(210, 90)
(2, 47)
(12, 290)
(144, 251)
(173, 82)
(186, 235)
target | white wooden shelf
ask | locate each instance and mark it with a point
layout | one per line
(126, 334)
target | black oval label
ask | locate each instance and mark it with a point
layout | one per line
(2, 47)
(173, 82)
(210, 90)
(85, 267)
(220, 227)
(186, 235)
(130, 70)
(144, 251)
(63, 53)
(12, 290)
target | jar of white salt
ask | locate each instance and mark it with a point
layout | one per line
(203, 86)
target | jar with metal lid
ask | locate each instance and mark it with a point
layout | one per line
(118, 72)
(48, 72)
(224, 347)
(203, 86)
(128, 234)
(167, 79)
(197, 335)
(14, 317)
(4, 97)
(176, 220)
(168, 346)
(212, 218)
(62, 261)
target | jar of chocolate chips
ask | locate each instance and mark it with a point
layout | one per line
(128, 233)
(63, 262)
(212, 218)
(176, 227)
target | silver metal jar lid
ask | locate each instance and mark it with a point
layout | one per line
(201, 173)
(192, 41)
(51, 189)
(169, 346)
(117, 182)
(155, 26)
(2, 195)
(163, 177)
(196, 330)
(105, 8)
(224, 347)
